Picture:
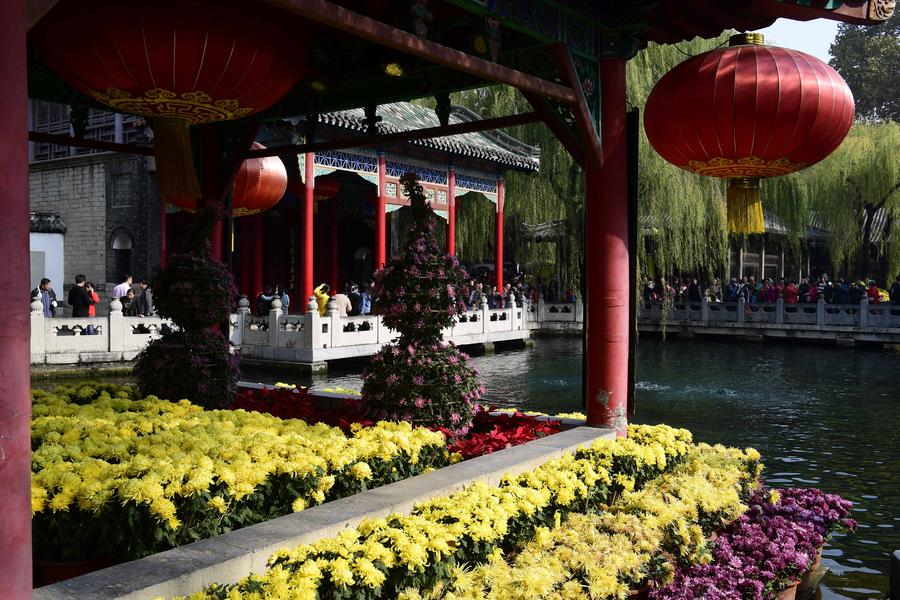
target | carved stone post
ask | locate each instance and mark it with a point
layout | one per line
(820, 312)
(38, 331)
(779, 309)
(741, 310)
(116, 326)
(274, 316)
(243, 311)
(333, 316)
(864, 312)
(704, 309)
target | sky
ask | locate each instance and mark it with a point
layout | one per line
(813, 37)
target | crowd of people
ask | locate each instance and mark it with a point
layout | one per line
(83, 298)
(808, 290)
(358, 300)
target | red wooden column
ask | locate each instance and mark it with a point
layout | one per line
(209, 163)
(258, 254)
(606, 261)
(309, 183)
(451, 210)
(498, 246)
(334, 234)
(162, 232)
(15, 401)
(381, 216)
(246, 234)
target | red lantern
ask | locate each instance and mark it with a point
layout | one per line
(326, 187)
(745, 112)
(181, 62)
(259, 184)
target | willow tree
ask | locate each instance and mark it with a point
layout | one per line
(855, 195)
(554, 194)
(682, 215)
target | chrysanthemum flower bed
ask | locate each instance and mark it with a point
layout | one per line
(382, 557)
(121, 477)
(638, 515)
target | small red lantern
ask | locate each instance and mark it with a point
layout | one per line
(326, 187)
(181, 62)
(259, 184)
(745, 112)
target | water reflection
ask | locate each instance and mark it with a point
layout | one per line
(821, 416)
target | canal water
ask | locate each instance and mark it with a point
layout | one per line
(821, 416)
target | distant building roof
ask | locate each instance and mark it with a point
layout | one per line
(493, 146)
(46, 223)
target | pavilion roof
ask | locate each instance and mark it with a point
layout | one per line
(492, 146)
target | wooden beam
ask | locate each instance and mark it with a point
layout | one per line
(857, 13)
(559, 128)
(332, 15)
(593, 149)
(400, 136)
(67, 140)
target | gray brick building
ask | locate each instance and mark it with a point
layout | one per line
(108, 201)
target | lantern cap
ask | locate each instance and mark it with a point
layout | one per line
(753, 38)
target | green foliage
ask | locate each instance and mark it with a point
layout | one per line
(868, 58)
(475, 229)
(843, 193)
(555, 193)
(681, 215)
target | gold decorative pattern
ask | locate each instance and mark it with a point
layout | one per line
(193, 107)
(240, 211)
(881, 10)
(750, 166)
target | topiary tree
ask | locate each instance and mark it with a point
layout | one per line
(195, 361)
(418, 379)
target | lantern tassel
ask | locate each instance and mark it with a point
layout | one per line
(745, 213)
(175, 172)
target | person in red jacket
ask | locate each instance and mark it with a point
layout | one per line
(92, 309)
(872, 292)
(791, 293)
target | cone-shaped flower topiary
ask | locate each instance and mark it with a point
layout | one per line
(418, 379)
(194, 363)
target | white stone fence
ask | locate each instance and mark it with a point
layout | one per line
(864, 315)
(84, 340)
(561, 312)
(312, 338)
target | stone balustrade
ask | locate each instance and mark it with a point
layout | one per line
(313, 339)
(877, 322)
(90, 340)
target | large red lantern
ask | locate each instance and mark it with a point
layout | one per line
(326, 187)
(259, 184)
(745, 112)
(180, 62)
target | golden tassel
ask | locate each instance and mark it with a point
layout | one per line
(745, 213)
(175, 172)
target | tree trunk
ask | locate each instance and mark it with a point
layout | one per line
(866, 249)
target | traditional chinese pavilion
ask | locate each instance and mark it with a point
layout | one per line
(346, 240)
(237, 63)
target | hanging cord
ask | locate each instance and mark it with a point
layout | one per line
(693, 55)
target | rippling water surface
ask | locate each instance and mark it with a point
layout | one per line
(821, 416)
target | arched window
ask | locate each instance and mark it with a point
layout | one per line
(121, 244)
